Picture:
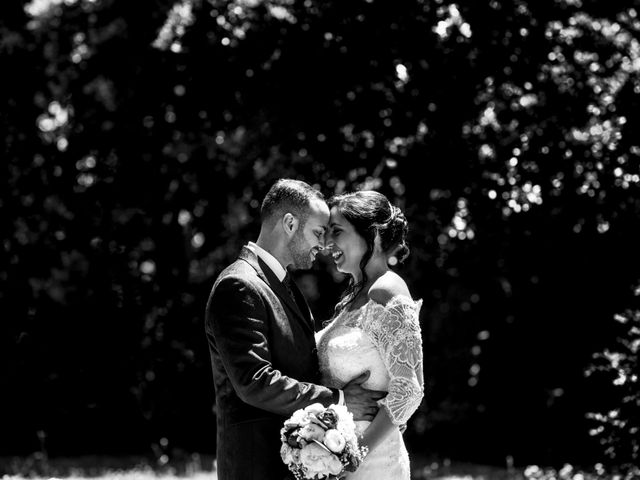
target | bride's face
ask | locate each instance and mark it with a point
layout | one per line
(347, 246)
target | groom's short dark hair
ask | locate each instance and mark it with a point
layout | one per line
(289, 195)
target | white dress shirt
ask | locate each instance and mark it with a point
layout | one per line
(271, 261)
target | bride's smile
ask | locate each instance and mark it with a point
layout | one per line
(347, 247)
(336, 255)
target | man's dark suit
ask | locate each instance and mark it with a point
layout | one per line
(264, 364)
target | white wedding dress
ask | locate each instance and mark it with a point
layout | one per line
(386, 340)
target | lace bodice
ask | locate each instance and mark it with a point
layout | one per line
(384, 339)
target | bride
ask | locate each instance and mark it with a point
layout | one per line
(375, 326)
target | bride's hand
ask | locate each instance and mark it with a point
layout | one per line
(361, 402)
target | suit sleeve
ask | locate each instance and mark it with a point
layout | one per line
(237, 325)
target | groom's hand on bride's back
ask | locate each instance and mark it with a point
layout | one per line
(361, 402)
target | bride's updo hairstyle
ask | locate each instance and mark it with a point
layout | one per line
(370, 213)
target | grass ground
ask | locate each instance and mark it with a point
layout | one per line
(198, 467)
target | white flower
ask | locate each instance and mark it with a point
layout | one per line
(289, 454)
(334, 441)
(314, 408)
(319, 460)
(346, 425)
(334, 465)
(345, 418)
(299, 417)
(312, 432)
(341, 410)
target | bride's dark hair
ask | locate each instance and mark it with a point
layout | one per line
(371, 213)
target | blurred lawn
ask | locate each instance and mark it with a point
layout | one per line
(200, 467)
(124, 475)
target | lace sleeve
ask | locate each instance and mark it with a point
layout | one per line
(395, 331)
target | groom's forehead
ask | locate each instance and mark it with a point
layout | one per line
(320, 210)
(318, 221)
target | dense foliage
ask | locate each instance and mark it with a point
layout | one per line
(617, 424)
(139, 140)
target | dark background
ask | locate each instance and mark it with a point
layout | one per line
(138, 141)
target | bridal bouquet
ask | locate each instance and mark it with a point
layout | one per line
(321, 442)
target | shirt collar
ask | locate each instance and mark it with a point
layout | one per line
(269, 259)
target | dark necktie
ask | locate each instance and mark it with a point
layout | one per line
(291, 287)
(287, 281)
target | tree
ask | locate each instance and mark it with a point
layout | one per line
(141, 140)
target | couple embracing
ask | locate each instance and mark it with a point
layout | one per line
(266, 357)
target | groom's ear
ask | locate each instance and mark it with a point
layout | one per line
(290, 223)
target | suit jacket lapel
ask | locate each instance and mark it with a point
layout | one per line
(270, 278)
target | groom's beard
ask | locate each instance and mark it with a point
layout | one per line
(302, 259)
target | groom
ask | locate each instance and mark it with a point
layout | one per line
(261, 338)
